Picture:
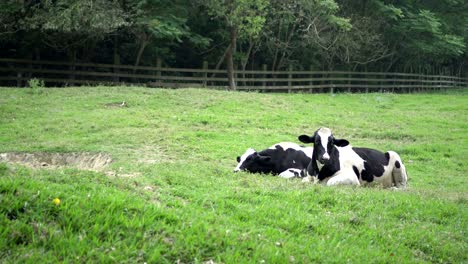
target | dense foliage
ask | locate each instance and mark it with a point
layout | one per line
(405, 35)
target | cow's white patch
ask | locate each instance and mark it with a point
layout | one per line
(286, 145)
(349, 158)
(343, 177)
(319, 165)
(308, 151)
(346, 176)
(290, 145)
(324, 134)
(290, 173)
(244, 156)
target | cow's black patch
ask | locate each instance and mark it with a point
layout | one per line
(366, 174)
(356, 171)
(374, 162)
(397, 164)
(330, 167)
(275, 161)
(296, 174)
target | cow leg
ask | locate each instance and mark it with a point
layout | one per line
(290, 173)
(343, 178)
(399, 176)
(311, 179)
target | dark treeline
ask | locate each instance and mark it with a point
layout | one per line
(427, 36)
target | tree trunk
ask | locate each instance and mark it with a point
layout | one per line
(144, 41)
(72, 59)
(275, 57)
(116, 58)
(230, 61)
(289, 36)
(246, 60)
(223, 58)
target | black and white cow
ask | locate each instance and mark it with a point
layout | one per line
(335, 161)
(285, 159)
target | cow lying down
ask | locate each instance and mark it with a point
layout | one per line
(286, 159)
(335, 162)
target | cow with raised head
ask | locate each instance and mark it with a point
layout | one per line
(286, 159)
(336, 162)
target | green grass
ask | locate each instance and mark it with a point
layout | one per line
(174, 196)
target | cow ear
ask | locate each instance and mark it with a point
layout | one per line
(264, 159)
(306, 139)
(238, 159)
(340, 142)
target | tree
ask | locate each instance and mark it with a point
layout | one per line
(298, 27)
(243, 19)
(10, 11)
(159, 20)
(416, 33)
(67, 25)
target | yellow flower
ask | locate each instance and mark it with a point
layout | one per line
(56, 201)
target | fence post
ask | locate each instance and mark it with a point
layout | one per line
(72, 68)
(116, 69)
(264, 68)
(349, 82)
(311, 69)
(452, 79)
(289, 78)
(421, 80)
(366, 84)
(440, 79)
(30, 67)
(158, 72)
(322, 83)
(19, 82)
(381, 89)
(424, 78)
(205, 74)
(236, 76)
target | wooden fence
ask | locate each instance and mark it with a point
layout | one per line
(17, 72)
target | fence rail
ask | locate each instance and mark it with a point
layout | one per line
(16, 72)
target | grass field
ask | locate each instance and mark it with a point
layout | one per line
(170, 195)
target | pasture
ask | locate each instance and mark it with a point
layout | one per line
(170, 195)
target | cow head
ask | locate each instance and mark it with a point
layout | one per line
(324, 143)
(253, 162)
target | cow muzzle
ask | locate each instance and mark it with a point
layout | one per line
(325, 158)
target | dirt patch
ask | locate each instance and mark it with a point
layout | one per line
(151, 155)
(122, 175)
(117, 104)
(79, 160)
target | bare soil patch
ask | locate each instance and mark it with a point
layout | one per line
(117, 104)
(79, 160)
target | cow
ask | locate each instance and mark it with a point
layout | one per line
(336, 162)
(286, 159)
